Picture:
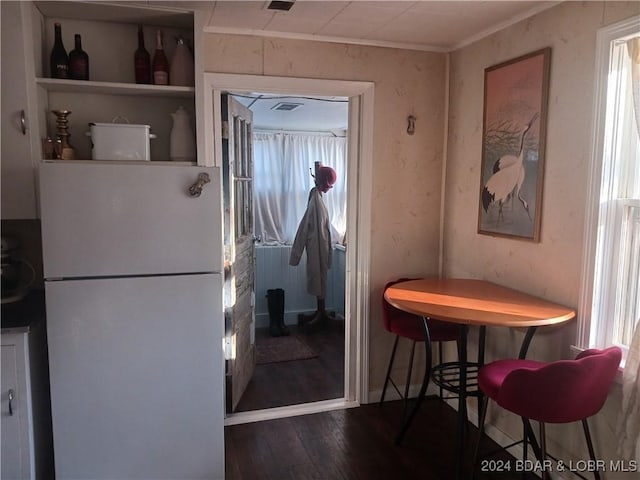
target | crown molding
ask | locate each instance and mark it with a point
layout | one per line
(323, 38)
(507, 23)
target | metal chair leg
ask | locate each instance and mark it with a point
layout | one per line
(531, 437)
(525, 441)
(592, 453)
(481, 418)
(441, 361)
(388, 377)
(543, 451)
(408, 382)
(425, 383)
(525, 445)
(462, 417)
(462, 400)
(482, 333)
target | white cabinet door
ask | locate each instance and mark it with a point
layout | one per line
(18, 176)
(137, 373)
(113, 219)
(17, 438)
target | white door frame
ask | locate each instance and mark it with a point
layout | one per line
(360, 156)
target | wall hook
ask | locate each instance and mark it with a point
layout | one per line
(411, 127)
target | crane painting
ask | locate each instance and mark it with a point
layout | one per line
(513, 146)
(507, 179)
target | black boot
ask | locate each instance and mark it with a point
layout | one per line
(280, 303)
(272, 306)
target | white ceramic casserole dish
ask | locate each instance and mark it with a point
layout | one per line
(120, 141)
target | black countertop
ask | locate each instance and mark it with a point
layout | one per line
(26, 312)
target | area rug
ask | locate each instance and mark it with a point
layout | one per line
(282, 349)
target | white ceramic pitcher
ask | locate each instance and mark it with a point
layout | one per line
(182, 143)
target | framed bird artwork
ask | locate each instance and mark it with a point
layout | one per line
(513, 146)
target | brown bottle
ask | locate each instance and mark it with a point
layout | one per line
(59, 60)
(78, 61)
(142, 60)
(160, 66)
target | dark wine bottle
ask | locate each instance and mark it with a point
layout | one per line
(59, 59)
(142, 60)
(78, 61)
(160, 64)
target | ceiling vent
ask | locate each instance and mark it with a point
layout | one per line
(286, 106)
(283, 6)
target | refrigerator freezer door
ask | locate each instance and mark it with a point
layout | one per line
(137, 377)
(108, 219)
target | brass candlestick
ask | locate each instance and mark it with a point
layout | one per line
(65, 150)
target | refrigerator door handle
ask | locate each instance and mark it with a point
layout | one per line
(195, 190)
(11, 402)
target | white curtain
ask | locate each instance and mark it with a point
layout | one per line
(283, 163)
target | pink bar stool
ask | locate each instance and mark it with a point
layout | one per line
(409, 326)
(563, 391)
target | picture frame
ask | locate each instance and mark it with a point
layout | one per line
(513, 146)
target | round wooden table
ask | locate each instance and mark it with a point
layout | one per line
(470, 302)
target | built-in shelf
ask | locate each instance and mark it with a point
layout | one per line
(159, 14)
(113, 88)
(124, 162)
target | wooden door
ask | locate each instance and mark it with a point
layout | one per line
(239, 247)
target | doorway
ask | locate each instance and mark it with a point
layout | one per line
(360, 95)
(297, 361)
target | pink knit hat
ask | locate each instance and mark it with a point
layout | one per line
(326, 177)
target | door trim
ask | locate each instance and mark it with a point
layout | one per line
(361, 105)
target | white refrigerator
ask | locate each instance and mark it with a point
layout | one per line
(135, 324)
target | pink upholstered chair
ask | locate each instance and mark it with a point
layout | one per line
(407, 325)
(557, 392)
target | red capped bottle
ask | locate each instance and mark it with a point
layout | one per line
(78, 61)
(160, 65)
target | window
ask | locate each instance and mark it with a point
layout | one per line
(242, 177)
(283, 163)
(610, 297)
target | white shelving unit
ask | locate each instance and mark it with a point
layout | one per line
(109, 36)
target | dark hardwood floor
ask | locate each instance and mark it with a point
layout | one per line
(301, 381)
(356, 444)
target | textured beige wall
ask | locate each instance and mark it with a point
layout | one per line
(407, 169)
(552, 267)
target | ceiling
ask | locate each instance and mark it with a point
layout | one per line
(439, 26)
(311, 114)
(421, 25)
